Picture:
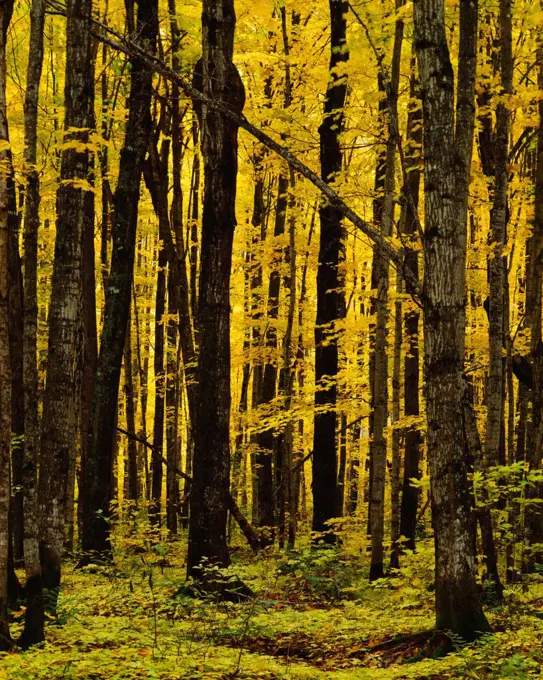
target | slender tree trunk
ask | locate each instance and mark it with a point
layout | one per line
(378, 443)
(158, 429)
(258, 237)
(219, 78)
(5, 367)
(534, 279)
(34, 616)
(59, 423)
(98, 468)
(90, 339)
(330, 297)
(15, 312)
(447, 153)
(133, 485)
(266, 440)
(396, 434)
(411, 470)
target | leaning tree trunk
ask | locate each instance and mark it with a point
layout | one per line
(5, 368)
(59, 422)
(97, 471)
(447, 154)
(330, 296)
(34, 616)
(219, 79)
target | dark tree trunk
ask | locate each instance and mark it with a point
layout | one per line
(90, 338)
(380, 282)
(34, 616)
(98, 471)
(158, 428)
(15, 291)
(173, 364)
(448, 141)
(411, 470)
(266, 440)
(219, 78)
(59, 422)
(133, 485)
(5, 368)
(533, 313)
(330, 297)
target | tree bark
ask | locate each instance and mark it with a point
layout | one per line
(34, 616)
(534, 278)
(330, 296)
(15, 312)
(133, 486)
(447, 153)
(219, 142)
(6, 10)
(59, 422)
(98, 467)
(408, 221)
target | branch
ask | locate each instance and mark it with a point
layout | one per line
(133, 50)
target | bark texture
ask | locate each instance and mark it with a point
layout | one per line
(59, 422)
(34, 616)
(5, 368)
(330, 296)
(220, 79)
(447, 153)
(97, 471)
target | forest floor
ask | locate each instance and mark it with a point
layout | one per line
(313, 616)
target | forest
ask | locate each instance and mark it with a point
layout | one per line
(271, 348)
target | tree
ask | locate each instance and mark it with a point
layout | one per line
(448, 140)
(33, 630)
(6, 10)
(218, 78)
(97, 471)
(330, 297)
(59, 421)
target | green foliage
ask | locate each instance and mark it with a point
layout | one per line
(318, 574)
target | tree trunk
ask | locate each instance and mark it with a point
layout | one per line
(396, 433)
(90, 337)
(34, 616)
(447, 154)
(59, 422)
(330, 296)
(5, 367)
(98, 467)
(408, 221)
(219, 78)
(15, 312)
(267, 442)
(378, 443)
(534, 278)
(158, 428)
(133, 485)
